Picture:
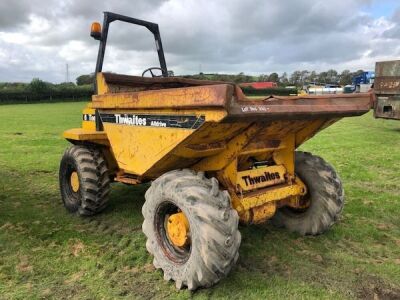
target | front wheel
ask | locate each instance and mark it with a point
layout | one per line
(191, 229)
(84, 180)
(325, 197)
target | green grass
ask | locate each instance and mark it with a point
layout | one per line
(47, 253)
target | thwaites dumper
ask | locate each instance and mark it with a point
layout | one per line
(213, 156)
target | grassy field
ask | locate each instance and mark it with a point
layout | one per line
(47, 253)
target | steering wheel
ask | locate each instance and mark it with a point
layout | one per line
(151, 72)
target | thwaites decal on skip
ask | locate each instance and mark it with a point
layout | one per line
(131, 120)
(167, 121)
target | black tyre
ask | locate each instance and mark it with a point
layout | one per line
(213, 237)
(84, 180)
(325, 197)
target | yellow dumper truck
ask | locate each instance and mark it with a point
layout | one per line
(213, 157)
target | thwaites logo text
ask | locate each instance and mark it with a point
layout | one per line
(167, 121)
(267, 176)
(132, 120)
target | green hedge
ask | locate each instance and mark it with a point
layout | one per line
(21, 96)
(250, 91)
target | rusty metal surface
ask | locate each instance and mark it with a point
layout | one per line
(302, 107)
(387, 77)
(188, 97)
(387, 68)
(387, 85)
(387, 107)
(164, 82)
(226, 95)
(387, 90)
(127, 180)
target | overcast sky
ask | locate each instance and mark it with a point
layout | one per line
(39, 37)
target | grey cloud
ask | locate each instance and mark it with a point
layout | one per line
(254, 36)
(394, 32)
(13, 13)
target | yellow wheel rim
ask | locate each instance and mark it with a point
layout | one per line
(74, 181)
(178, 229)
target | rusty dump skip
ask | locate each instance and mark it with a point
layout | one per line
(131, 92)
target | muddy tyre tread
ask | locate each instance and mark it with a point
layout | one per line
(327, 197)
(93, 178)
(213, 224)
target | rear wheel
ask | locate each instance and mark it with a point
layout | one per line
(191, 229)
(325, 197)
(84, 180)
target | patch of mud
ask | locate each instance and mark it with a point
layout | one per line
(23, 266)
(76, 248)
(74, 277)
(373, 288)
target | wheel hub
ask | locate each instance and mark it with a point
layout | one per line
(74, 181)
(178, 229)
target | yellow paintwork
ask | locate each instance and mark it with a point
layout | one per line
(312, 128)
(233, 148)
(258, 207)
(102, 86)
(135, 149)
(85, 135)
(88, 125)
(285, 156)
(224, 149)
(80, 134)
(178, 229)
(262, 213)
(273, 194)
(243, 179)
(74, 182)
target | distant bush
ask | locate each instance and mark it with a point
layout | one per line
(40, 91)
(85, 79)
(38, 86)
(250, 91)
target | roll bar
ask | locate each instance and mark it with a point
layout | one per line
(153, 27)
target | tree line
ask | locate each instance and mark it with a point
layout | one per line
(38, 89)
(297, 78)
